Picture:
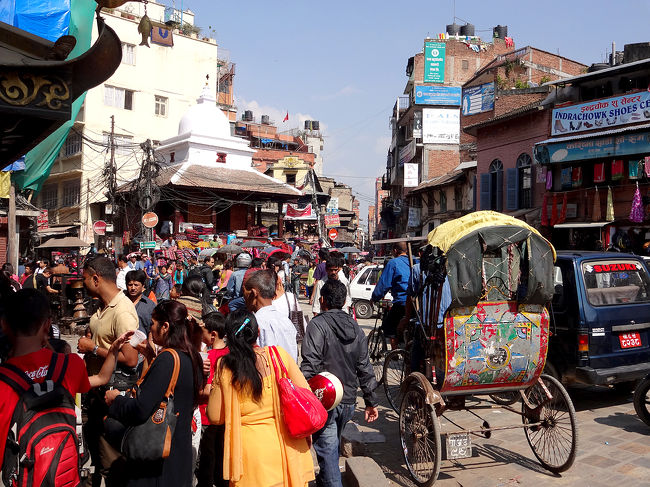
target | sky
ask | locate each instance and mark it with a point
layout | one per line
(343, 62)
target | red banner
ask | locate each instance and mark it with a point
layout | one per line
(332, 220)
(295, 213)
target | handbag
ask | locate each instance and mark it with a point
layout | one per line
(302, 412)
(152, 439)
(296, 318)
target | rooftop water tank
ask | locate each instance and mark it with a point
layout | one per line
(467, 30)
(315, 125)
(265, 119)
(248, 116)
(500, 31)
(453, 29)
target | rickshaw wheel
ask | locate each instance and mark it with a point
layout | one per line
(505, 398)
(555, 441)
(642, 400)
(377, 352)
(419, 431)
(396, 369)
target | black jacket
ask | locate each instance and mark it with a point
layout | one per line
(208, 277)
(335, 343)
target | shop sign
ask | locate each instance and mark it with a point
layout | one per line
(434, 62)
(415, 215)
(440, 125)
(407, 153)
(478, 99)
(333, 234)
(417, 125)
(410, 175)
(147, 245)
(601, 114)
(437, 95)
(332, 205)
(294, 212)
(99, 227)
(42, 221)
(332, 220)
(595, 148)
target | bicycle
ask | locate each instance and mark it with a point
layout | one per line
(377, 344)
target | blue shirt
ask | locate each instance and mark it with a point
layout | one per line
(235, 282)
(148, 268)
(394, 278)
(414, 289)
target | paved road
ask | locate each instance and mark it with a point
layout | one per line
(613, 445)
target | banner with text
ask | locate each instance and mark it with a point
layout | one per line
(410, 175)
(332, 220)
(440, 125)
(294, 212)
(478, 99)
(434, 62)
(407, 153)
(437, 95)
(605, 113)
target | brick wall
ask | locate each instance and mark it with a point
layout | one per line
(506, 141)
(441, 162)
(506, 103)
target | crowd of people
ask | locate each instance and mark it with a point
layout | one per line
(159, 327)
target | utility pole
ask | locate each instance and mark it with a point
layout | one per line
(12, 235)
(112, 179)
(147, 190)
(314, 203)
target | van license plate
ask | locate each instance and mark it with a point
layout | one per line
(459, 445)
(630, 340)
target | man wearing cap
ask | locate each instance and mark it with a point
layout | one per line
(335, 343)
(234, 286)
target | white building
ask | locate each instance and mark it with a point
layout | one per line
(148, 94)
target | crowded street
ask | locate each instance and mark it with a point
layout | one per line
(324, 244)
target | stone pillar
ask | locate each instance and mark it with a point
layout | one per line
(280, 221)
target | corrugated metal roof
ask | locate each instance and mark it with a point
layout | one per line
(599, 73)
(531, 107)
(595, 134)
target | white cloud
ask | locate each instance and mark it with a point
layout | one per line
(276, 115)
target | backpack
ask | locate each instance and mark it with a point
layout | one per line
(42, 445)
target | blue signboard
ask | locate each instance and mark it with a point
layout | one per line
(437, 95)
(478, 99)
(598, 147)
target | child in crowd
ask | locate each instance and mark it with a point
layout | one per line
(210, 471)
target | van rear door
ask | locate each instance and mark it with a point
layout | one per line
(617, 311)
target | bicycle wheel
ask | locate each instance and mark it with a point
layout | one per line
(377, 352)
(420, 437)
(396, 369)
(642, 400)
(555, 441)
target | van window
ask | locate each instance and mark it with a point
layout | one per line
(373, 278)
(610, 282)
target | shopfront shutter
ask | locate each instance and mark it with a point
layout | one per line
(485, 191)
(512, 189)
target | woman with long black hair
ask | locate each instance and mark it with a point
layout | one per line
(170, 328)
(258, 451)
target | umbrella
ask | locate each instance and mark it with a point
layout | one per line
(270, 250)
(349, 250)
(65, 242)
(230, 249)
(208, 252)
(253, 244)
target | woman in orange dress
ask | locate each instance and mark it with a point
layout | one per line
(258, 451)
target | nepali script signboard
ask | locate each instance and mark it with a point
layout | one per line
(437, 95)
(434, 62)
(601, 114)
(478, 99)
(440, 125)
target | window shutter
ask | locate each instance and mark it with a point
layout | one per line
(512, 189)
(485, 191)
(499, 191)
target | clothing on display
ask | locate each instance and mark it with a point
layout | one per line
(617, 169)
(599, 172)
(610, 205)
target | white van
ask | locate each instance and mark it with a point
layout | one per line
(361, 289)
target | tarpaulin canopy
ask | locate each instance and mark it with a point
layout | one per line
(63, 243)
(50, 19)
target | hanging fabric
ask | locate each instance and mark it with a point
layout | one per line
(549, 179)
(562, 218)
(565, 177)
(646, 165)
(596, 216)
(554, 210)
(576, 177)
(636, 212)
(609, 216)
(545, 210)
(633, 169)
(617, 169)
(599, 172)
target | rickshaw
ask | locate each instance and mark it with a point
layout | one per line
(492, 340)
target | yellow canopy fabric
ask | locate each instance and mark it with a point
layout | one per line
(450, 232)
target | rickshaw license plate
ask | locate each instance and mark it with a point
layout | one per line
(459, 445)
(630, 340)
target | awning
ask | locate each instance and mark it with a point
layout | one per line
(63, 243)
(55, 231)
(582, 225)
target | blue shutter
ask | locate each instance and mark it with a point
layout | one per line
(485, 191)
(499, 194)
(512, 189)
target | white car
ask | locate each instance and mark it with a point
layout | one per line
(361, 289)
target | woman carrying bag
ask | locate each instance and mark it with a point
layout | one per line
(258, 450)
(178, 367)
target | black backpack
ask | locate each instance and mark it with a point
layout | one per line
(42, 447)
